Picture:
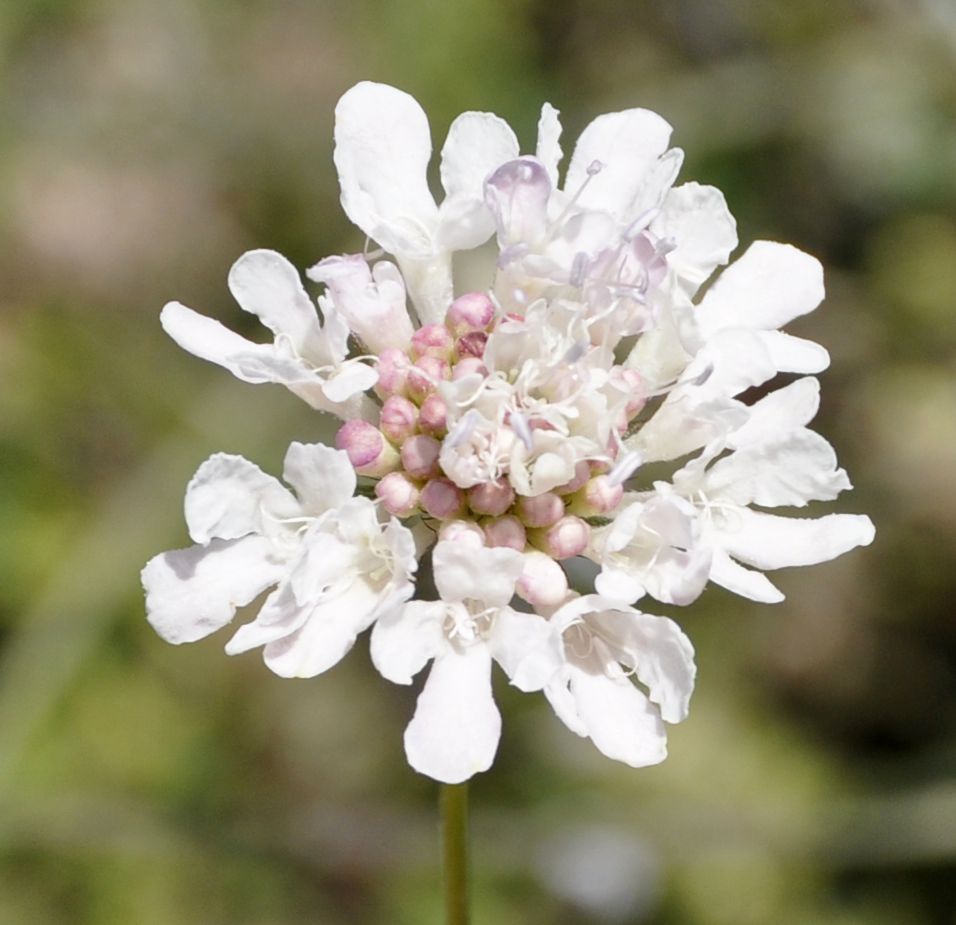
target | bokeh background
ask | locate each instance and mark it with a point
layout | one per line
(144, 146)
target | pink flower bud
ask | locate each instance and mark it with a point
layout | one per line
(432, 340)
(369, 452)
(393, 367)
(582, 472)
(399, 418)
(433, 417)
(506, 531)
(564, 539)
(542, 582)
(461, 531)
(541, 510)
(491, 498)
(424, 376)
(472, 311)
(420, 456)
(399, 494)
(471, 344)
(442, 499)
(468, 366)
(599, 496)
(631, 382)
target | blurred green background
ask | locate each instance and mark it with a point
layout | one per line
(143, 147)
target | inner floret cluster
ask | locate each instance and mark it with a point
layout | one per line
(489, 438)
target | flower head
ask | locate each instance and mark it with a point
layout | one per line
(510, 430)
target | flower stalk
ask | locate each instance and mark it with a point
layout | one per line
(454, 824)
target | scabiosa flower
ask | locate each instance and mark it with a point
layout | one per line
(494, 435)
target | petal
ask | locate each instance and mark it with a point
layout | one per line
(228, 496)
(697, 220)
(791, 354)
(753, 585)
(323, 478)
(324, 565)
(655, 647)
(562, 702)
(477, 144)
(517, 195)
(455, 730)
(325, 637)
(777, 414)
(792, 470)
(766, 541)
(382, 150)
(191, 593)
(265, 284)
(626, 144)
(209, 340)
(620, 720)
(348, 380)
(280, 616)
(768, 286)
(548, 150)
(681, 426)
(527, 647)
(404, 640)
(465, 572)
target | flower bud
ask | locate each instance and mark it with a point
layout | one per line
(442, 499)
(542, 582)
(472, 311)
(424, 376)
(471, 344)
(399, 418)
(505, 531)
(432, 340)
(420, 456)
(393, 367)
(564, 539)
(368, 450)
(582, 472)
(599, 496)
(541, 510)
(461, 531)
(433, 417)
(398, 493)
(492, 498)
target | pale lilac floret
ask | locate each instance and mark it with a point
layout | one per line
(506, 531)
(398, 419)
(566, 538)
(473, 311)
(419, 455)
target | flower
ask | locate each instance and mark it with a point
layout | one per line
(510, 432)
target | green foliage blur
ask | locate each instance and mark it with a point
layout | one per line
(143, 147)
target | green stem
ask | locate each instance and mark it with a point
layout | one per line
(454, 813)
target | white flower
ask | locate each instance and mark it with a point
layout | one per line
(593, 695)
(454, 733)
(306, 357)
(334, 568)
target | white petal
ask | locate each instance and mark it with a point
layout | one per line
(793, 470)
(563, 703)
(382, 150)
(627, 144)
(527, 647)
(325, 564)
(768, 286)
(465, 572)
(655, 647)
(753, 585)
(779, 413)
(348, 380)
(681, 426)
(265, 284)
(548, 149)
(697, 220)
(791, 354)
(228, 496)
(191, 593)
(618, 585)
(323, 478)
(455, 730)
(620, 720)
(326, 636)
(404, 640)
(279, 616)
(477, 144)
(766, 541)
(208, 339)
